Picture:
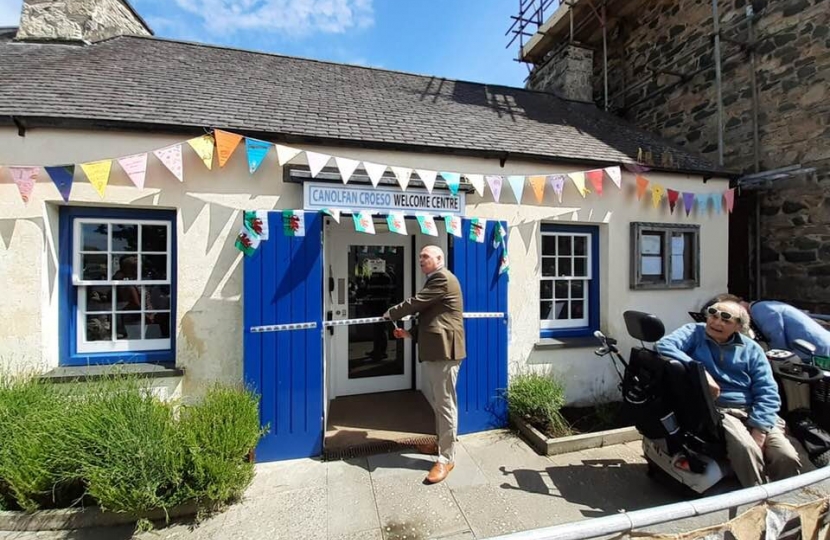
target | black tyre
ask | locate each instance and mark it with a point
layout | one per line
(821, 460)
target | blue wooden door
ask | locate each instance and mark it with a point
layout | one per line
(483, 375)
(282, 285)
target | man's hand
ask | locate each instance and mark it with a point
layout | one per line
(759, 437)
(714, 387)
(400, 333)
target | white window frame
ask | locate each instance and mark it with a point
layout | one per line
(117, 345)
(565, 324)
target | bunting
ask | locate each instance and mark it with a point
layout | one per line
(538, 185)
(403, 175)
(316, 162)
(557, 184)
(428, 178)
(517, 184)
(477, 228)
(203, 146)
(657, 195)
(702, 201)
(284, 153)
(333, 212)
(293, 223)
(495, 182)
(578, 178)
(363, 222)
(717, 202)
(98, 174)
(642, 185)
(346, 167)
(25, 178)
(62, 178)
(246, 241)
(673, 196)
(595, 177)
(226, 143)
(504, 264)
(688, 202)
(135, 167)
(615, 174)
(375, 172)
(256, 151)
(453, 181)
(171, 157)
(453, 225)
(477, 181)
(499, 235)
(396, 223)
(254, 222)
(729, 195)
(427, 224)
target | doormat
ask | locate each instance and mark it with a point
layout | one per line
(376, 447)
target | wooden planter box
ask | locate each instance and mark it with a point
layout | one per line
(574, 443)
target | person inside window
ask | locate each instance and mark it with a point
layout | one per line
(741, 381)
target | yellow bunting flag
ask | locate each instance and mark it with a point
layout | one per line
(657, 194)
(203, 146)
(579, 181)
(226, 143)
(538, 185)
(98, 174)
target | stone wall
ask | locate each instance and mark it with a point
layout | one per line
(73, 20)
(568, 74)
(793, 76)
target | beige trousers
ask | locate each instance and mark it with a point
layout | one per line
(441, 378)
(779, 459)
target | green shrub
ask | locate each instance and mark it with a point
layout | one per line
(538, 400)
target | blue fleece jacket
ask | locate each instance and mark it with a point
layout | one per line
(782, 324)
(739, 366)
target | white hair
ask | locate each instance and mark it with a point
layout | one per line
(435, 251)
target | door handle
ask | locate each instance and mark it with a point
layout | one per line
(329, 316)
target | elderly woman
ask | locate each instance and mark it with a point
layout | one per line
(740, 378)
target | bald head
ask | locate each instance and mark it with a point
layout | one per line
(431, 259)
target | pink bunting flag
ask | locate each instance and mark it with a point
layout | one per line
(557, 183)
(729, 195)
(171, 157)
(25, 178)
(135, 167)
(495, 182)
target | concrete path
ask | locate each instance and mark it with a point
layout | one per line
(499, 485)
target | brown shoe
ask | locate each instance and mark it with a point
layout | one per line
(439, 471)
(430, 449)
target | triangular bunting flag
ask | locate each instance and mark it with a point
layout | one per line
(453, 225)
(557, 184)
(135, 167)
(717, 202)
(673, 196)
(316, 162)
(499, 235)
(293, 223)
(171, 157)
(657, 194)
(702, 201)
(477, 181)
(246, 241)
(428, 178)
(578, 179)
(333, 212)
(396, 222)
(495, 182)
(688, 202)
(453, 181)
(25, 178)
(504, 264)
(427, 224)
(375, 172)
(256, 150)
(62, 178)
(203, 146)
(477, 228)
(595, 177)
(642, 186)
(346, 168)
(226, 143)
(402, 174)
(729, 195)
(98, 174)
(363, 222)
(517, 183)
(285, 153)
(538, 185)
(615, 174)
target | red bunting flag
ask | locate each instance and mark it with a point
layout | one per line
(673, 196)
(730, 199)
(595, 177)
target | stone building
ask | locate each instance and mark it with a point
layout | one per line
(756, 98)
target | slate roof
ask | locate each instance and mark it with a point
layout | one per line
(155, 82)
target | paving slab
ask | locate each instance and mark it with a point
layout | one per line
(487, 510)
(351, 505)
(466, 473)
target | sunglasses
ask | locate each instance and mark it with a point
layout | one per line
(723, 315)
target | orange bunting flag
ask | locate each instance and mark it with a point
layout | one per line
(657, 194)
(729, 195)
(673, 196)
(642, 185)
(226, 143)
(538, 185)
(595, 177)
(98, 174)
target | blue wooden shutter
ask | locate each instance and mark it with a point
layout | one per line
(483, 375)
(283, 283)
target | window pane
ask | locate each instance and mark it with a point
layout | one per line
(580, 245)
(565, 267)
(128, 326)
(547, 289)
(124, 267)
(545, 311)
(580, 266)
(156, 297)
(652, 267)
(157, 325)
(127, 298)
(577, 289)
(98, 328)
(564, 245)
(561, 289)
(562, 310)
(548, 266)
(577, 310)
(651, 243)
(154, 238)
(98, 299)
(124, 237)
(94, 267)
(94, 237)
(154, 267)
(548, 245)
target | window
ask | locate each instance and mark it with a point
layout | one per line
(117, 286)
(664, 256)
(569, 282)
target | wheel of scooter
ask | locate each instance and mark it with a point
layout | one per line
(821, 460)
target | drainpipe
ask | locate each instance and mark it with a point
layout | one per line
(716, 21)
(756, 146)
(605, 54)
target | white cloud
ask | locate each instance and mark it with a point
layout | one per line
(10, 12)
(295, 17)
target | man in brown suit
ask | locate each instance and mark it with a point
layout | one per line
(441, 347)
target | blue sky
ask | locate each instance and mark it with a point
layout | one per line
(456, 39)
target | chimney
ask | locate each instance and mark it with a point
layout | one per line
(79, 20)
(568, 74)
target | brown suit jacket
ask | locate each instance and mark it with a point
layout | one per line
(440, 308)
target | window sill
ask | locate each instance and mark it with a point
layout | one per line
(96, 372)
(547, 344)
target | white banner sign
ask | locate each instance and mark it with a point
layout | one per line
(318, 196)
